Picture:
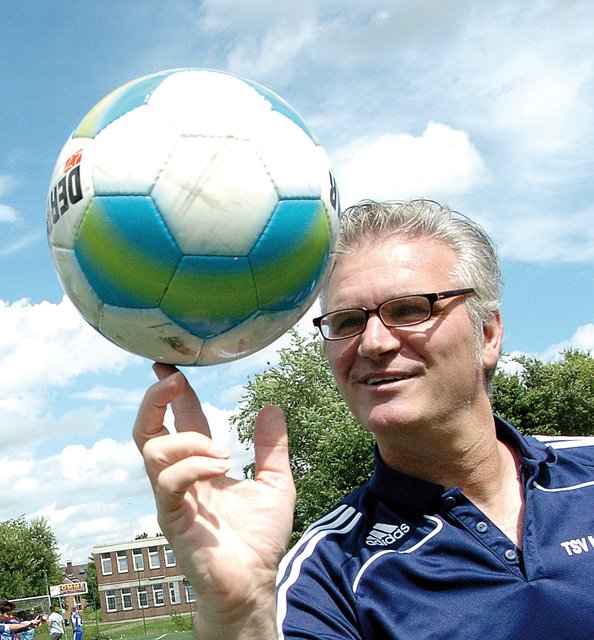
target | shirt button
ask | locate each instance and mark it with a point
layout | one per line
(481, 527)
(510, 555)
(449, 502)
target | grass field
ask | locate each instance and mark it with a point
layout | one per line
(168, 628)
(175, 635)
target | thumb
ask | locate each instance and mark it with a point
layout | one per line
(271, 444)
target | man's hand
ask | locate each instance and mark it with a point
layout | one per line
(228, 535)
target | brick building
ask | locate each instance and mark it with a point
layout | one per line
(140, 579)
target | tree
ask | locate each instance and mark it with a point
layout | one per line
(554, 398)
(330, 452)
(92, 584)
(29, 558)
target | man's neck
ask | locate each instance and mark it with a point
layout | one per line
(471, 458)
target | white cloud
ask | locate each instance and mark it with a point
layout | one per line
(43, 335)
(7, 183)
(8, 214)
(439, 163)
(582, 339)
(44, 348)
(540, 101)
(87, 494)
(544, 236)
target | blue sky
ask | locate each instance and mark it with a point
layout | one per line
(485, 106)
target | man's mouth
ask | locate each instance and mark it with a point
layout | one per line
(376, 380)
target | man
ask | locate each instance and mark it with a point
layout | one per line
(466, 529)
(76, 623)
(55, 622)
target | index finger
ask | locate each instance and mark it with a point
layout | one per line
(171, 389)
(186, 406)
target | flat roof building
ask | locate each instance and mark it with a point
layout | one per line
(140, 579)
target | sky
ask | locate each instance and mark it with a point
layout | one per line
(484, 106)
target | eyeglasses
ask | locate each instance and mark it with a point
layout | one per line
(398, 312)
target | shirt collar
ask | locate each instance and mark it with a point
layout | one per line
(403, 491)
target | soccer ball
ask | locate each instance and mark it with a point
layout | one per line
(192, 216)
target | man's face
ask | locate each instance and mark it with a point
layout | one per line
(397, 379)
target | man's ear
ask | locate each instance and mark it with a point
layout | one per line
(492, 341)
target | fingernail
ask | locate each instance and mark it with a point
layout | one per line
(221, 450)
(221, 466)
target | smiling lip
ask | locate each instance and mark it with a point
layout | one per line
(386, 378)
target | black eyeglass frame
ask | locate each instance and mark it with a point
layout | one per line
(432, 298)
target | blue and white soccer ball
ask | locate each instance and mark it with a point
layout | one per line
(191, 216)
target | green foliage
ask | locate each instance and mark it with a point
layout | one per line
(180, 623)
(92, 596)
(555, 398)
(28, 554)
(331, 454)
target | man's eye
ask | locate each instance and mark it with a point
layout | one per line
(345, 322)
(406, 311)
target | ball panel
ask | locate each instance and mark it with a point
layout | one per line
(291, 254)
(125, 251)
(209, 294)
(76, 286)
(296, 174)
(150, 332)
(128, 161)
(215, 196)
(253, 334)
(209, 103)
(71, 190)
(283, 108)
(117, 103)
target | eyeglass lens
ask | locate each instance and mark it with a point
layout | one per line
(394, 313)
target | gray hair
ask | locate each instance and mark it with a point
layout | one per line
(369, 222)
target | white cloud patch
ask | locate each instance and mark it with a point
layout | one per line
(8, 214)
(540, 101)
(439, 163)
(582, 339)
(56, 339)
(87, 494)
(548, 236)
(44, 348)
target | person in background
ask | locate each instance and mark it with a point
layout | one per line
(467, 529)
(55, 622)
(76, 623)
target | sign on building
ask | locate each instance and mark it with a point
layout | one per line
(68, 589)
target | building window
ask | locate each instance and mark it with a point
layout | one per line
(169, 556)
(126, 599)
(106, 568)
(122, 562)
(158, 595)
(189, 591)
(137, 560)
(110, 601)
(153, 554)
(142, 598)
(174, 593)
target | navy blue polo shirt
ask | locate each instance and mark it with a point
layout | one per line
(401, 558)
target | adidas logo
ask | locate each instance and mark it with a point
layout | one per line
(383, 535)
